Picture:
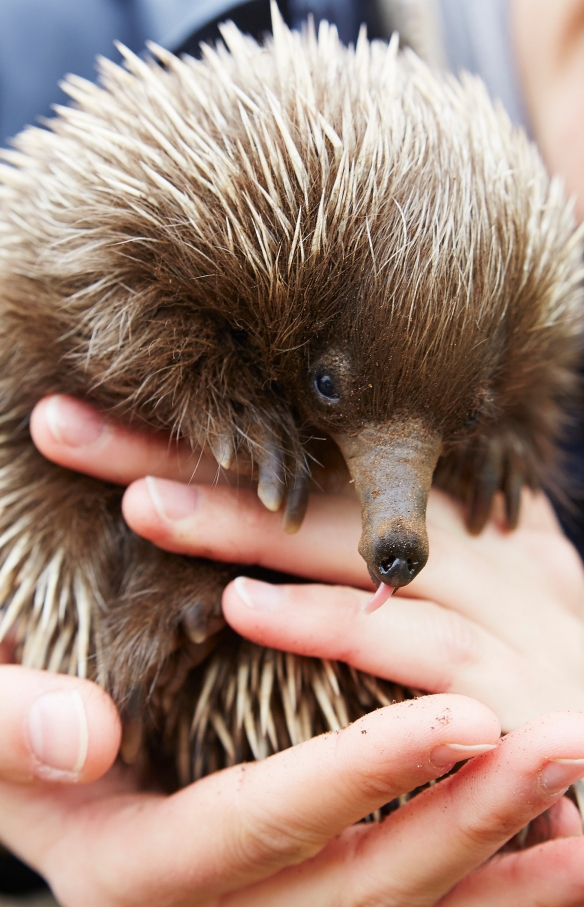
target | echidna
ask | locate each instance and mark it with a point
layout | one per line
(271, 244)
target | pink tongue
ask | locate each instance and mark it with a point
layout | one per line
(383, 593)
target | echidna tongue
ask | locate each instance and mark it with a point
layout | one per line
(391, 466)
(381, 596)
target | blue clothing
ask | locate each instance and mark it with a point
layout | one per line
(42, 40)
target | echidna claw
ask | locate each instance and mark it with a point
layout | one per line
(271, 485)
(223, 450)
(512, 484)
(486, 485)
(296, 502)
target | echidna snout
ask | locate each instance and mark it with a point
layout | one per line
(392, 468)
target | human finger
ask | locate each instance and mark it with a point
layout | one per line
(457, 825)
(194, 519)
(550, 875)
(76, 435)
(562, 820)
(490, 580)
(249, 821)
(477, 577)
(512, 609)
(222, 524)
(409, 641)
(54, 728)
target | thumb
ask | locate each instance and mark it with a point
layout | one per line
(54, 728)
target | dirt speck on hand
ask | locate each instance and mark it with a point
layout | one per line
(445, 718)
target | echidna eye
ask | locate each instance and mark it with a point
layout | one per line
(325, 386)
(472, 419)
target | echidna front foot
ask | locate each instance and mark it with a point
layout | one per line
(281, 477)
(500, 467)
(84, 593)
(476, 473)
(164, 604)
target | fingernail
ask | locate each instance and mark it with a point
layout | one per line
(558, 774)
(173, 501)
(257, 595)
(450, 753)
(73, 424)
(57, 727)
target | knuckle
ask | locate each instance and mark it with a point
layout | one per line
(478, 832)
(265, 841)
(230, 524)
(371, 783)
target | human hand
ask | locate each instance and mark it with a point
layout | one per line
(499, 616)
(121, 456)
(281, 831)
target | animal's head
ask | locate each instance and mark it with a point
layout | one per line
(273, 242)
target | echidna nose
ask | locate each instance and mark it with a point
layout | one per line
(399, 571)
(398, 558)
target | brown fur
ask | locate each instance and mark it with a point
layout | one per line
(188, 243)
